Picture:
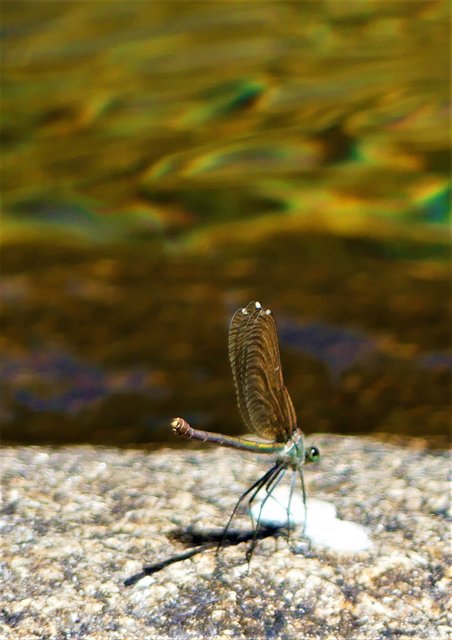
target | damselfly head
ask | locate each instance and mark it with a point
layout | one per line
(312, 454)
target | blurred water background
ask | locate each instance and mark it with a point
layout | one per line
(166, 162)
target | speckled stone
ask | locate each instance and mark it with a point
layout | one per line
(78, 521)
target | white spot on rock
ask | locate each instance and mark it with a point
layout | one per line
(323, 528)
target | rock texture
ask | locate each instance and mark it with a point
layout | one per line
(78, 521)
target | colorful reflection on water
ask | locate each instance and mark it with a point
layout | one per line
(166, 163)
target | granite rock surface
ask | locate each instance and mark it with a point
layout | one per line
(79, 521)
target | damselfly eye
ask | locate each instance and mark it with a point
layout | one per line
(312, 455)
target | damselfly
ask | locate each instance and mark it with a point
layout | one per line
(265, 406)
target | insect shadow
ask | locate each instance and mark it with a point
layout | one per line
(204, 540)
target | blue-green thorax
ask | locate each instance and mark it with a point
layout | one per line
(294, 453)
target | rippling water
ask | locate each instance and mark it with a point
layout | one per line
(166, 162)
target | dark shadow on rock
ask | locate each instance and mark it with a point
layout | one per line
(204, 540)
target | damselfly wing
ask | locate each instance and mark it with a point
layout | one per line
(264, 402)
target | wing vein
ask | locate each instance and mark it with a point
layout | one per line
(263, 400)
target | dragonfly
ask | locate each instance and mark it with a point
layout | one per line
(265, 406)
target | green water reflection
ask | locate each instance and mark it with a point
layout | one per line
(165, 163)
